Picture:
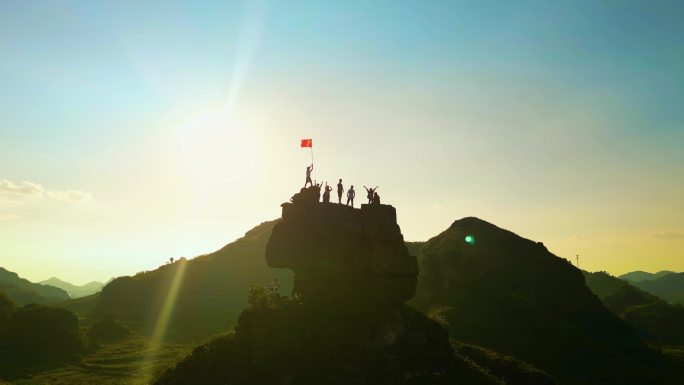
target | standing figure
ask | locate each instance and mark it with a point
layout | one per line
(326, 193)
(308, 175)
(370, 192)
(318, 188)
(340, 190)
(350, 196)
(275, 288)
(376, 199)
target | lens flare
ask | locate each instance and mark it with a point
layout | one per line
(163, 320)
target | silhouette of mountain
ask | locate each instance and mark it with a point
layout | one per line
(22, 291)
(74, 291)
(638, 276)
(348, 323)
(669, 287)
(212, 288)
(658, 321)
(498, 290)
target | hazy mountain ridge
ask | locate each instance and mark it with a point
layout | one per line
(74, 291)
(658, 321)
(22, 291)
(639, 276)
(669, 287)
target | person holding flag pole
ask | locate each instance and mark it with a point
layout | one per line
(308, 143)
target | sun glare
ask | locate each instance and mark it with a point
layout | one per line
(216, 148)
(163, 320)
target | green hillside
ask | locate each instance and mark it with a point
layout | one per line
(510, 294)
(212, 288)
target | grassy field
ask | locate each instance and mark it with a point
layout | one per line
(128, 362)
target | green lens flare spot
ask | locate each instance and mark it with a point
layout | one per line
(470, 239)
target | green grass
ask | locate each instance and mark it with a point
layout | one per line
(128, 362)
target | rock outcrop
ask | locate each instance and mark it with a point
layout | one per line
(347, 322)
(345, 256)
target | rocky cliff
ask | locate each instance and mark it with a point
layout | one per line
(347, 322)
(342, 255)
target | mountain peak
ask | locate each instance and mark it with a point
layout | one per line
(360, 252)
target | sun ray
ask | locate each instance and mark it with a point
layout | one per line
(163, 321)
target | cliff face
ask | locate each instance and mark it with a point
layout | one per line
(342, 255)
(347, 322)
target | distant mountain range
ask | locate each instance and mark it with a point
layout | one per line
(669, 287)
(74, 291)
(665, 284)
(639, 276)
(658, 321)
(22, 291)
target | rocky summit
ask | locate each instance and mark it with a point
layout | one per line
(346, 322)
(341, 255)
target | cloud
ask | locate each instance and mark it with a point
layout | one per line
(70, 196)
(26, 188)
(8, 217)
(669, 235)
(35, 190)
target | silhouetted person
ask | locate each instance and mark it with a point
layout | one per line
(340, 190)
(318, 187)
(376, 199)
(308, 175)
(350, 196)
(326, 193)
(275, 288)
(370, 193)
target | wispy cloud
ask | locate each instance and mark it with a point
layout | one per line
(26, 188)
(35, 190)
(8, 217)
(71, 196)
(669, 235)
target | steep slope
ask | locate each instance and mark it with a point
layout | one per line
(639, 276)
(74, 291)
(22, 291)
(501, 291)
(212, 288)
(669, 287)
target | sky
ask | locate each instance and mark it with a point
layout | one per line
(133, 132)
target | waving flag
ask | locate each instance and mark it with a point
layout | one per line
(307, 143)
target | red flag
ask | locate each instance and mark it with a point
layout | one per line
(307, 143)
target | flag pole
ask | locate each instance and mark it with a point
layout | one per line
(311, 154)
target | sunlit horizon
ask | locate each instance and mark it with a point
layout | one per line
(128, 141)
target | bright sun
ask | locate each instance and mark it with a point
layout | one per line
(215, 148)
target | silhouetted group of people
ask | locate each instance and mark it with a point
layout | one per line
(373, 197)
